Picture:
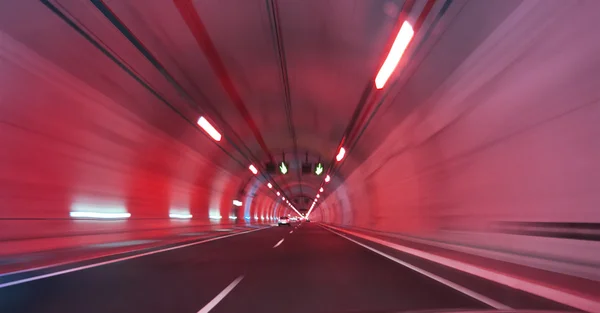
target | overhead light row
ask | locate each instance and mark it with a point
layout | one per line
(216, 135)
(119, 215)
(401, 42)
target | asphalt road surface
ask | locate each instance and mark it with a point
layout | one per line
(304, 268)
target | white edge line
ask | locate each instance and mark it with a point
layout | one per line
(277, 244)
(220, 296)
(94, 257)
(468, 292)
(572, 300)
(25, 280)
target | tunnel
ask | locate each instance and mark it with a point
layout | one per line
(299, 156)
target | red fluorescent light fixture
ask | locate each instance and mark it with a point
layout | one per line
(269, 185)
(209, 129)
(327, 179)
(253, 169)
(321, 190)
(402, 40)
(340, 154)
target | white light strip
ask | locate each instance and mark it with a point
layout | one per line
(209, 129)
(99, 215)
(237, 202)
(253, 169)
(402, 40)
(269, 185)
(180, 215)
(215, 217)
(341, 154)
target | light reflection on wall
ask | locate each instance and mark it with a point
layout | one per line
(219, 184)
(249, 198)
(180, 213)
(98, 209)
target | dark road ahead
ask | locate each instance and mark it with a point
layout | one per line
(303, 268)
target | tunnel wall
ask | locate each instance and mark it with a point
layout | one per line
(504, 155)
(69, 147)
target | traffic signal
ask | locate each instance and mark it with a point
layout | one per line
(319, 169)
(283, 168)
(306, 168)
(270, 167)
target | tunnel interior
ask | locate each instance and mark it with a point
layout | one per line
(485, 133)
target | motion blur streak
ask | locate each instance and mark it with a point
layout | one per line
(180, 215)
(340, 154)
(209, 129)
(100, 215)
(135, 126)
(402, 40)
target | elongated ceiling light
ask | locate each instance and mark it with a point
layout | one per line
(253, 169)
(209, 129)
(402, 40)
(340, 154)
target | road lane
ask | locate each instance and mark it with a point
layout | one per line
(508, 296)
(317, 271)
(272, 270)
(181, 280)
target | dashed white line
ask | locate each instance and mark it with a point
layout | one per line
(495, 304)
(220, 296)
(277, 244)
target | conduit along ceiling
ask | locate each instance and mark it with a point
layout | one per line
(255, 84)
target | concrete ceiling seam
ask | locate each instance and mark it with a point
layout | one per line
(130, 72)
(383, 97)
(105, 10)
(353, 128)
(280, 53)
(379, 97)
(125, 31)
(192, 19)
(371, 114)
(404, 12)
(125, 68)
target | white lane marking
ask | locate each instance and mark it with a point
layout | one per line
(220, 296)
(560, 296)
(468, 292)
(277, 244)
(25, 280)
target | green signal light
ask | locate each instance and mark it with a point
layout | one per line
(283, 168)
(319, 169)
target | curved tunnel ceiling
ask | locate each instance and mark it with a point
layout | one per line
(273, 77)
